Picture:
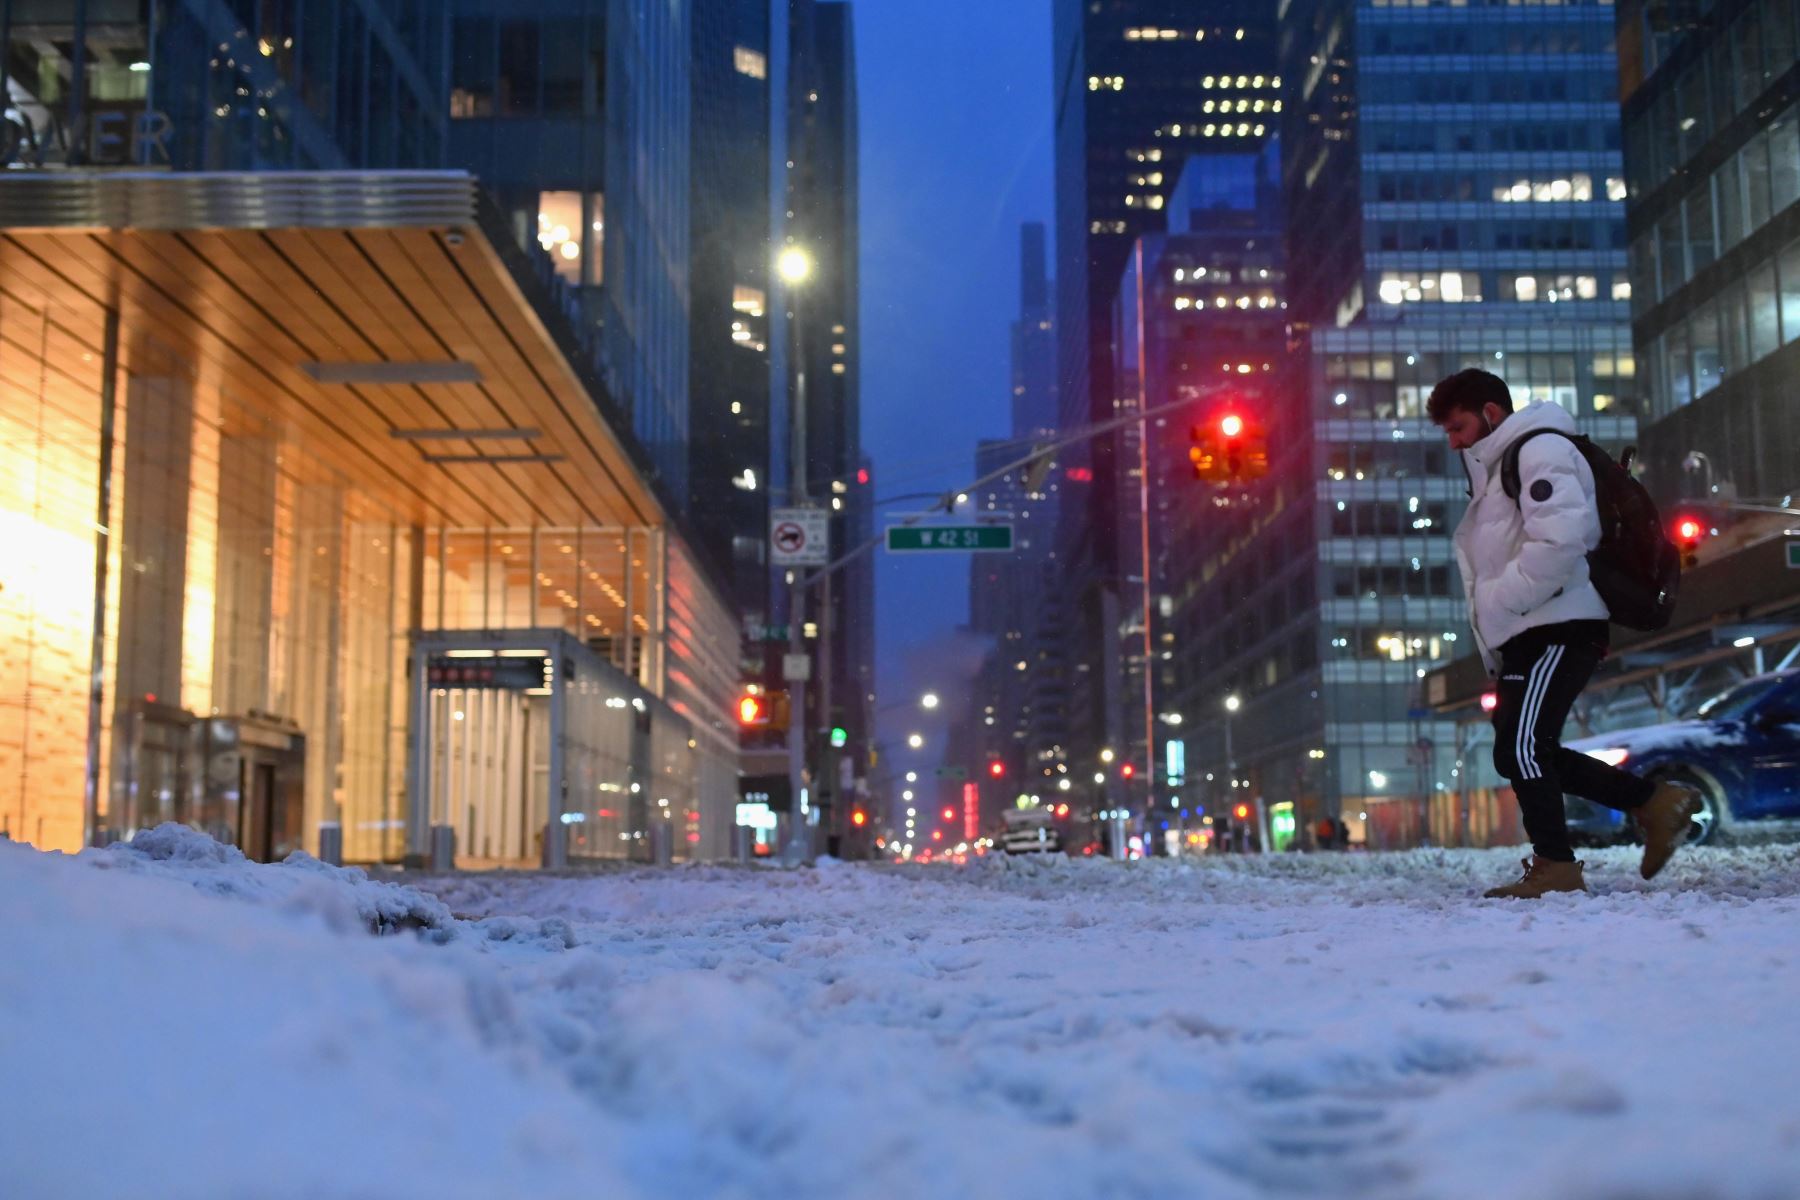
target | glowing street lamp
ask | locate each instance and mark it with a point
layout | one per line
(794, 265)
(916, 741)
(929, 700)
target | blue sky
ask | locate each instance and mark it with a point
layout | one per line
(956, 153)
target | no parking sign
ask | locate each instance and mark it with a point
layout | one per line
(799, 537)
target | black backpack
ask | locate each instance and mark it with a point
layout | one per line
(1635, 568)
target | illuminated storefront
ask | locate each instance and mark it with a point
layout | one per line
(262, 438)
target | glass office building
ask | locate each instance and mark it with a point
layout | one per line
(1455, 194)
(330, 525)
(1712, 156)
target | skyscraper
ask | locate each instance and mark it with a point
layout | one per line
(729, 298)
(1712, 166)
(822, 211)
(1139, 87)
(1202, 317)
(1453, 184)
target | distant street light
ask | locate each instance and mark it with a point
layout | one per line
(794, 265)
(916, 741)
(929, 700)
(912, 777)
(1232, 703)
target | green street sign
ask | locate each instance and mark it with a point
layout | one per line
(952, 773)
(950, 537)
(1793, 553)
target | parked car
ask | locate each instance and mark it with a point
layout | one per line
(1030, 831)
(1741, 751)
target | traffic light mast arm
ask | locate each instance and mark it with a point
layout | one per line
(947, 501)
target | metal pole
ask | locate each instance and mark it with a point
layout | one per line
(1144, 545)
(826, 777)
(796, 850)
(102, 551)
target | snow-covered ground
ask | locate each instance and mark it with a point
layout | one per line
(175, 1021)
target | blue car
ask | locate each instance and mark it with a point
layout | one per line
(1741, 751)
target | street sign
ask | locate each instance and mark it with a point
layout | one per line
(950, 537)
(799, 537)
(1793, 556)
(952, 773)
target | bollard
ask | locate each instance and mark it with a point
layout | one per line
(742, 839)
(1116, 824)
(443, 848)
(331, 843)
(662, 842)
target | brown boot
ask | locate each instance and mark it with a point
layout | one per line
(1541, 875)
(1664, 820)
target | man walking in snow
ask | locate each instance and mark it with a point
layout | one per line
(1539, 624)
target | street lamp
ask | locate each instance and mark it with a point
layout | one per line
(916, 741)
(912, 777)
(929, 700)
(794, 265)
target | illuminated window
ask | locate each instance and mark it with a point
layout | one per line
(750, 62)
(748, 300)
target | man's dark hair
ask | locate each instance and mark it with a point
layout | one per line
(1471, 391)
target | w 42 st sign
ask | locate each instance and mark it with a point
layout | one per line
(950, 537)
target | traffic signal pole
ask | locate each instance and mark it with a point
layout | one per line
(798, 847)
(1143, 370)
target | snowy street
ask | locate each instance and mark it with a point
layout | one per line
(175, 1021)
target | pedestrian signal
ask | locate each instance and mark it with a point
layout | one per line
(762, 710)
(1241, 812)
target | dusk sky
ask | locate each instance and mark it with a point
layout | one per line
(956, 145)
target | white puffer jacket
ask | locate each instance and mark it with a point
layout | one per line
(1524, 563)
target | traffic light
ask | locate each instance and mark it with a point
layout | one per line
(859, 818)
(1231, 446)
(1688, 531)
(949, 814)
(1241, 812)
(762, 710)
(1127, 770)
(840, 737)
(997, 769)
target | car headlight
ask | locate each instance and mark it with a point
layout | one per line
(1612, 756)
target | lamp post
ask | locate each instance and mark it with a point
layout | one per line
(793, 265)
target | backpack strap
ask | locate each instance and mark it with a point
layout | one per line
(1509, 461)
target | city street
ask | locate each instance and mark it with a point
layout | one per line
(1301, 1025)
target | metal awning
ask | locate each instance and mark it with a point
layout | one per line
(365, 308)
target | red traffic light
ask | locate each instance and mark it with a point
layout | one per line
(1241, 812)
(1687, 529)
(949, 814)
(1230, 425)
(859, 818)
(753, 710)
(1127, 770)
(996, 768)
(937, 835)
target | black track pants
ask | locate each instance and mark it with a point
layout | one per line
(1541, 672)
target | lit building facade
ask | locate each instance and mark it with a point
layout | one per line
(1454, 189)
(1712, 168)
(335, 528)
(1140, 86)
(1203, 314)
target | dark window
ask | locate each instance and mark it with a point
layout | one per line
(565, 57)
(472, 67)
(519, 69)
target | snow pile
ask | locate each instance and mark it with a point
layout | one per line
(303, 883)
(1321, 1025)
